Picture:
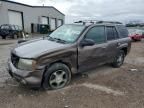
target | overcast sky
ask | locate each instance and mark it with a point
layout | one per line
(118, 10)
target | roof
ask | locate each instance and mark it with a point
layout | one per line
(102, 24)
(97, 22)
(32, 6)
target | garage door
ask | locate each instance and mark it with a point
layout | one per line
(59, 23)
(44, 20)
(53, 24)
(15, 18)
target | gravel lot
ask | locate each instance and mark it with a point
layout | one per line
(104, 87)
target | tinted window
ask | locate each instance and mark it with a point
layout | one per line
(122, 31)
(111, 33)
(20, 28)
(16, 27)
(13, 28)
(4, 27)
(115, 33)
(97, 34)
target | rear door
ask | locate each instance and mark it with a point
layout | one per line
(91, 56)
(112, 40)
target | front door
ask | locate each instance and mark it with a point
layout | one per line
(91, 56)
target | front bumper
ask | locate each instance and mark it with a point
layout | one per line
(29, 78)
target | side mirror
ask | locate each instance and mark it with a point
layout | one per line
(87, 42)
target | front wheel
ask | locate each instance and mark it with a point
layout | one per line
(57, 76)
(119, 59)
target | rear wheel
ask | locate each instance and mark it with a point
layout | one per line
(119, 59)
(56, 77)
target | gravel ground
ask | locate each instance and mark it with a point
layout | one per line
(104, 87)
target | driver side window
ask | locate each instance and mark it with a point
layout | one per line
(97, 34)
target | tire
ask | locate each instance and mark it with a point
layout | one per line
(119, 59)
(56, 76)
(3, 37)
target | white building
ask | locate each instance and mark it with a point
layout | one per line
(28, 17)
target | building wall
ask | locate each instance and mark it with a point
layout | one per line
(30, 14)
(3, 15)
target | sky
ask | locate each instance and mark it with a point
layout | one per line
(113, 10)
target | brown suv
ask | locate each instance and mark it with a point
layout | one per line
(49, 62)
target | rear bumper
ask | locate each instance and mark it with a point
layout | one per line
(29, 78)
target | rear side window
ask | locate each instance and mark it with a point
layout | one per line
(116, 33)
(122, 31)
(111, 33)
(97, 34)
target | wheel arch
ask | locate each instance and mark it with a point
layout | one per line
(52, 63)
(125, 49)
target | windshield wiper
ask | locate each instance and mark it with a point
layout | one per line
(51, 38)
(60, 40)
(57, 39)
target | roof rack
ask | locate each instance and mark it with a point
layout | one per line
(113, 22)
(84, 22)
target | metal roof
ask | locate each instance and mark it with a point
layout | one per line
(32, 6)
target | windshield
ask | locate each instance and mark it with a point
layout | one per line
(67, 33)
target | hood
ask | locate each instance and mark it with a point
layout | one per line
(36, 48)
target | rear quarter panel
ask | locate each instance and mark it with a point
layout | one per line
(125, 43)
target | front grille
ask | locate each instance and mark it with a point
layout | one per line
(14, 59)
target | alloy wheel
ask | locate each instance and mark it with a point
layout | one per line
(120, 59)
(58, 79)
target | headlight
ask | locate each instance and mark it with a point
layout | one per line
(26, 64)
